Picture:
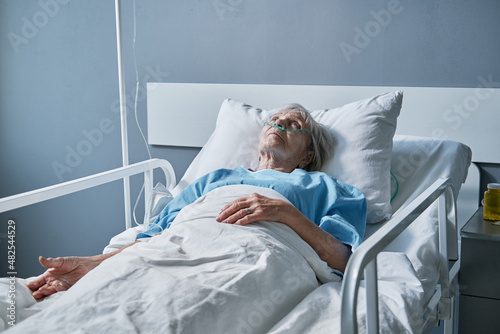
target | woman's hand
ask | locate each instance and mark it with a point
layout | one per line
(253, 208)
(61, 274)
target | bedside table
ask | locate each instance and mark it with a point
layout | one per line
(479, 276)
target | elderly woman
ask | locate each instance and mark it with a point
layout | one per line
(326, 213)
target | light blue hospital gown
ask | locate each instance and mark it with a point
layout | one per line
(336, 207)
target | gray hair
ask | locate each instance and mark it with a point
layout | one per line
(323, 140)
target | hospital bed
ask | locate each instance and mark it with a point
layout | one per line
(400, 279)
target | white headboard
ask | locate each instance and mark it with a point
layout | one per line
(184, 114)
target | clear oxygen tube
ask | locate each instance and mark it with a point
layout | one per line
(282, 128)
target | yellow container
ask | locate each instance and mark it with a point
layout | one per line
(492, 202)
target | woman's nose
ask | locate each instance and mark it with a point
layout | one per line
(280, 122)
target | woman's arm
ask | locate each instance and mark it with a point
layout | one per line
(63, 272)
(329, 248)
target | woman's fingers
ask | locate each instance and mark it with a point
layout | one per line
(44, 291)
(230, 207)
(253, 208)
(35, 283)
(49, 287)
(235, 205)
(233, 216)
(51, 262)
(61, 273)
(237, 211)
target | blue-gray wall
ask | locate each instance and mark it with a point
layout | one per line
(59, 90)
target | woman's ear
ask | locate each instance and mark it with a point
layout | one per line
(308, 158)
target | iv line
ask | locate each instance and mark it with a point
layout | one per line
(135, 108)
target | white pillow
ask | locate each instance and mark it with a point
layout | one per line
(417, 162)
(362, 155)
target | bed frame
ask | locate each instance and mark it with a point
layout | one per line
(43, 194)
(362, 264)
(363, 261)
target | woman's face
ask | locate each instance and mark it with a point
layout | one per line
(292, 146)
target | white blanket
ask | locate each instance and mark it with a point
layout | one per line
(200, 276)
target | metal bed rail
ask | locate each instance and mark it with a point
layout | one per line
(43, 194)
(363, 261)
